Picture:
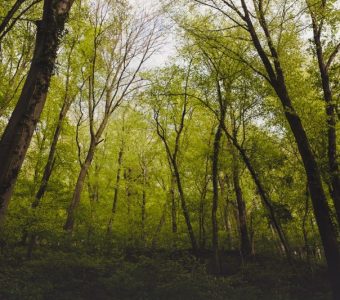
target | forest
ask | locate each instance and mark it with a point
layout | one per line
(169, 150)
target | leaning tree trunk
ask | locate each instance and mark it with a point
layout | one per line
(323, 218)
(317, 193)
(19, 130)
(263, 194)
(79, 186)
(333, 165)
(51, 158)
(62, 114)
(185, 208)
(319, 200)
(241, 208)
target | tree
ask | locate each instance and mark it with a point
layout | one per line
(19, 130)
(68, 98)
(135, 41)
(274, 74)
(319, 11)
(8, 21)
(172, 151)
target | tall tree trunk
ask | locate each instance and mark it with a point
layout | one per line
(143, 207)
(333, 165)
(319, 200)
(51, 158)
(252, 232)
(173, 205)
(159, 227)
(62, 114)
(262, 192)
(116, 190)
(127, 178)
(68, 226)
(214, 208)
(184, 207)
(227, 224)
(202, 236)
(19, 130)
(241, 208)
(320, 206)
(143, 214)
(93, 198)
(304, 229)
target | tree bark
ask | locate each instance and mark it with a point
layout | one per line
(62, 114)
(317, 193)
(116, 190)
(202, 237)
(304, 229)
(227, 224)
(143, 208)
(127, 178)
(185, 208)
(241, 208)
(319, 200)
(159, 227)
(19, 130)
(333, 165)
(173, 205)
(69, 224)
(214, 208)
(51, 158)
(262, 192)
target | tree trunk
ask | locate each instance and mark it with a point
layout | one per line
(319, 200)
(62, 114)
(202, 218)
(184, 208)
(304, 229)
(320, 206)
(214, 208)
(51, 158)
(116, 190)
(79, 187)
(19, 130)
(333, 166)
(159, 227)
(241, 208)
(227, 224)
(173, 205)
(127, 178)
(263, 194)
(252, 233)
(143, 208)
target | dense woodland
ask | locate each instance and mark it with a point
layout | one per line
(185, 150)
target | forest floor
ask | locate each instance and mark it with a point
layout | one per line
(162, 275)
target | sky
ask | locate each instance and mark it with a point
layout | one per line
(168, 49)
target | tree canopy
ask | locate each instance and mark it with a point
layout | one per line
(215, 169)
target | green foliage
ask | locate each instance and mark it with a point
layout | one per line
(164, 275)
